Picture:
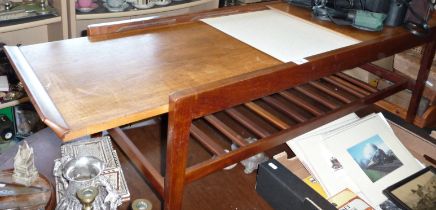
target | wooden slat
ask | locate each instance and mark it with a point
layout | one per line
(385, 74)
(359, 92)
(357, 82)
(302, 103)
(334, 93)
(244, 120)
(317, 97)
(226, 130)
(206, 141)
(282, 107)
(138, 159)
(267, 115)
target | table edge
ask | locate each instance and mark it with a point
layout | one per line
(39, 97)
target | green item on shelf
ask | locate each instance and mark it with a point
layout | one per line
(9, 112)
(7, 125)
(370, 21)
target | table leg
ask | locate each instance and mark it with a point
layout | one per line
(163, 140)
(177, 154)
(424, 70)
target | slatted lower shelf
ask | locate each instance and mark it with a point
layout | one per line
(270, 117)
(272, 120)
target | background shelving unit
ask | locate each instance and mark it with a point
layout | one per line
(79, 21)
(38, 31)
(70, 24)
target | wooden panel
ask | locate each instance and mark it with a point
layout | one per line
(82, 25)
(138, 26)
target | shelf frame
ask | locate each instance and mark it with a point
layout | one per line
(138, 12)
(177, 9)
(56, 28)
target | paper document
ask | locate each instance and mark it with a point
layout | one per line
(372, 156)
(363, 155)
(318, 160)
(280, 35)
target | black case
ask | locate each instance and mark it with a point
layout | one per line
(285, 191)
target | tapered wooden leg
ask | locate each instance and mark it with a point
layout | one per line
(177, 154)
(424, 70)
(175, 177)
(163, 140)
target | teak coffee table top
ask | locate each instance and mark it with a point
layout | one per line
(82, 87)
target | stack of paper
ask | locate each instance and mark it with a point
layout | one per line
(280, 35)
(361, 154)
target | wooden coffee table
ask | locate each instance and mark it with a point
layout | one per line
(124, 72)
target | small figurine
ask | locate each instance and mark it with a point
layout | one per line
(252, 162)
(24, 166)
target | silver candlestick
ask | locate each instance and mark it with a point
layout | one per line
(86, 196)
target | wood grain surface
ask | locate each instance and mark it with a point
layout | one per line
(101, 85)
(95, 86)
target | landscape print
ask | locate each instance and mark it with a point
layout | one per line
(374, 158)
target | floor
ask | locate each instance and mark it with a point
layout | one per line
(5, 145)
(227, 189)
(223, 190)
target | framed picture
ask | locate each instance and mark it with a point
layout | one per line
(416, 192)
